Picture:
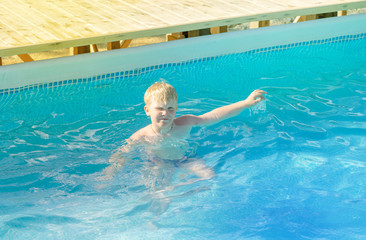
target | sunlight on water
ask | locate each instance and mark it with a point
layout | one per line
(292, 167)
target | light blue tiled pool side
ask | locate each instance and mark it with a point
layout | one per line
(138, 71)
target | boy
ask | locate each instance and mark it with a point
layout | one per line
(164, 138)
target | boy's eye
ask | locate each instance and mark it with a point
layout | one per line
(170, 109)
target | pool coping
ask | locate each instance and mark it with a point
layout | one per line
(128, 62)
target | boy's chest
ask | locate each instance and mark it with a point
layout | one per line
(179, 132)
(169, 148)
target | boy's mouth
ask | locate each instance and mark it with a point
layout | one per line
(164, 119)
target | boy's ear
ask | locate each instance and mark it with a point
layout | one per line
(146, 108)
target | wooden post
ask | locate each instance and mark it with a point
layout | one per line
(174, 36)
(196, 33)
(193, 33)
(1, 61)
(264, 23)
(126, 43)
(204, 32)
(326, 15)
(113, 45)
(316, 16)
(259, 24)
(342, 13)
(305, 18)
(81, 50)
(95, 48)
(26, 57)
(216, 30)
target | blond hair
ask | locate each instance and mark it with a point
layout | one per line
(160, 92)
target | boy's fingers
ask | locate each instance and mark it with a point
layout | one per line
(259, 99)
(258, 95)
(261, 91)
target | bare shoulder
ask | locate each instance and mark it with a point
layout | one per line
(190, 120)
(139, 136)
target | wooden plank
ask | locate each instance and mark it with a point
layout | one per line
(55, 24)
(264, 23)
(342, 13)
(254, 7)
(96, 15)
(155, 11)
(118, 10)
(47, 16)
(79, 20)
(149, 20)
(182, 9)
(193, 33)
(221, 10)
(126, 43)
(95, 48)
(326, 15)
(216, 30)
(26, 57)
(113, 45)
(305, 18)
(175, 36)
(16, 30)
(28, 20)
(260, 24)
(81, 49)
(314, 17)
(12, 36)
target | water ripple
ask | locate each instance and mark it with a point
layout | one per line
(306, 127)
(279, 167)
(286, 136)
(307, 161)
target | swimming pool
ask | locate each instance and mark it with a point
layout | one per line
(293, 168)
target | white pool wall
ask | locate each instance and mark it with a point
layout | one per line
(89, 65)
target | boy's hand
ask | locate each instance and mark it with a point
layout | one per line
(255, 97)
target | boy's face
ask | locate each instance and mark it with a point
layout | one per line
(162, 114)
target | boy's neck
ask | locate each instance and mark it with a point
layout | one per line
(162, 131)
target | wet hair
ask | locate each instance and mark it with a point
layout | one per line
(160, 92)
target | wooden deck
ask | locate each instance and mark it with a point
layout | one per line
(29, 26)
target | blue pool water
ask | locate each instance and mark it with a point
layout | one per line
(292, 168)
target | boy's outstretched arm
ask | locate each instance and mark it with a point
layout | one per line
(222, 113)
